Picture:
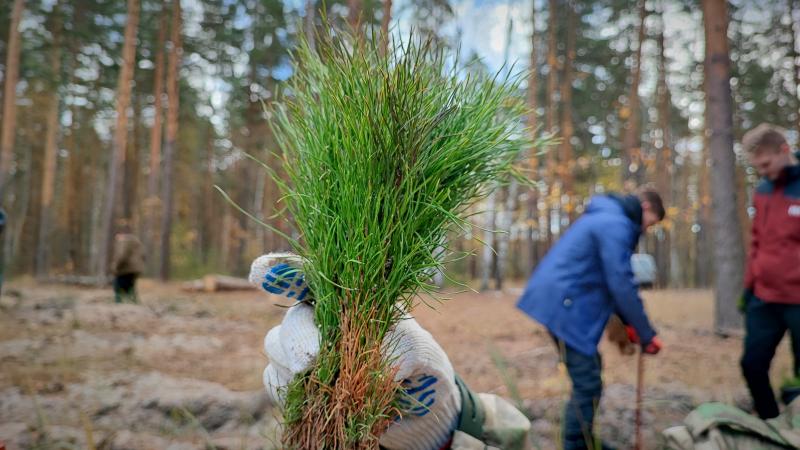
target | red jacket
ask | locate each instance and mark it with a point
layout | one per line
(773, 265)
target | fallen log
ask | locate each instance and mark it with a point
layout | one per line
(78, 280)
(217, 283)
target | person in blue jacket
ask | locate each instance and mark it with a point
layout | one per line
(584, 279)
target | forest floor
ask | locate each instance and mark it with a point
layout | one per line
(183, 370)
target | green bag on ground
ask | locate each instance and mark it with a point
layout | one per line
(716, 426)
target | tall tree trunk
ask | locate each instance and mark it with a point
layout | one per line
(552, 113)
(532, 235)
(727, 229)
(567, 126)
(794, 10)
(173, 63)
(633, 170)
(152, 203)
(664, 159)
(488, 254)
(21, 206)
(8, 132)
(206, 217)
(505, 218)
(354, 15)
(385, 20)
(50, 147)
(130, 183)
(117, 159)
(308, 24)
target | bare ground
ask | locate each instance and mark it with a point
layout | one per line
(183, 371)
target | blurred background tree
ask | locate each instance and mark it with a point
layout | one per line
(621, 83)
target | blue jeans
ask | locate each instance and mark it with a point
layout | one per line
(587, 388)
(765, 325)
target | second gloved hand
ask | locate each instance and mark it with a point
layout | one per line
(651, 348)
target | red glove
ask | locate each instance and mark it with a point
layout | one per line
(632, 336)
(652, 348)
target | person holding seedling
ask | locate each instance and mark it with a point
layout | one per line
(584, 279)
(771, 299)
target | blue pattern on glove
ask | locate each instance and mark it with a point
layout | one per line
(419, 394)
(283, 279)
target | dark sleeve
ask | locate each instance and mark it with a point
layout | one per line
(615, 255)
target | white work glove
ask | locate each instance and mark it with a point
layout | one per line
(431, 402)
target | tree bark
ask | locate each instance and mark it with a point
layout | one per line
(552, 112)
(152, 203)
(308, 24)
(488, 253)
(633, 170)
(727, 229)
(8, 132)
(794, 9)
(354, 15)
(664, 157)
(385, 20)
(532, 234)
(117, 159)
(50, 149)
(173, 63)
(567, 164)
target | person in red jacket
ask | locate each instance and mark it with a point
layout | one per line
(772, 280)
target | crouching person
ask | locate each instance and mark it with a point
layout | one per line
(583, 279)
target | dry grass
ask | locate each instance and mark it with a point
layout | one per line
(77, 336)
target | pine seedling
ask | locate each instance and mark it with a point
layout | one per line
(383, 154)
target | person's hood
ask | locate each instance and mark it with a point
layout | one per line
(629, 205)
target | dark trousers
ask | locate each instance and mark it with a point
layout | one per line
(125, 286)
(587, 388)
(765, 325)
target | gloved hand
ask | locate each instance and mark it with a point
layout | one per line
(431, 402)
(651, 348)
(617, 333)
(741, 305)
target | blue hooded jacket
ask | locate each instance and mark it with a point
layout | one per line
(587, 276)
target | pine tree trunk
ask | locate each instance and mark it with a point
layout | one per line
(308, 24)
(727, 229)
(633, 170)
(532, 234)
(152, 204)
(72, 209)
(51, 143)
(207, 216)
(117, 158)
(130, 183)
(552, 113)
(173, 106)
(567, 125)
(794, 10)
(664, 159)
(488, 239)
(354, 15)
(11, 77)
(385, 20)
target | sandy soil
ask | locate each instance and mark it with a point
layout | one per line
(183, 371)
